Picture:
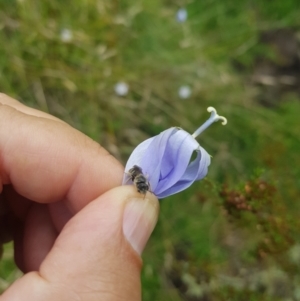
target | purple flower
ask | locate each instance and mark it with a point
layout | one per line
(165, 159)
(181, 15)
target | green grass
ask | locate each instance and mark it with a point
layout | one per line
(141, 43)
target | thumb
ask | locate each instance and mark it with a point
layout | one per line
(97, 254)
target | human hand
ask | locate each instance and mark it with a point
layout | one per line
(77, 233)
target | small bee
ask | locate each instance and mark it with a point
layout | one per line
(139, 180)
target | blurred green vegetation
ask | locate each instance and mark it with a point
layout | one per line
(235, 235)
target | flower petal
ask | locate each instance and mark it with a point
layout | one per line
(149, 154)
(165, 161)
(179, 150)
(196, 170)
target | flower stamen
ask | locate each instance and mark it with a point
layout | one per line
(214, 117)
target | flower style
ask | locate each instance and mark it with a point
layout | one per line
(165, 159)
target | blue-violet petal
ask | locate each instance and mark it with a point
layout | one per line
(166, 161)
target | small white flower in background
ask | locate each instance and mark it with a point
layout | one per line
(66, 35)
(181, 15)
(121, 89)
(184, 92)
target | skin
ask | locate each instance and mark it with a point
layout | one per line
(62, 204)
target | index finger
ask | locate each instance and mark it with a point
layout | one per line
(46, 160)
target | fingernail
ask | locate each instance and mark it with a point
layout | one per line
(140, 217)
